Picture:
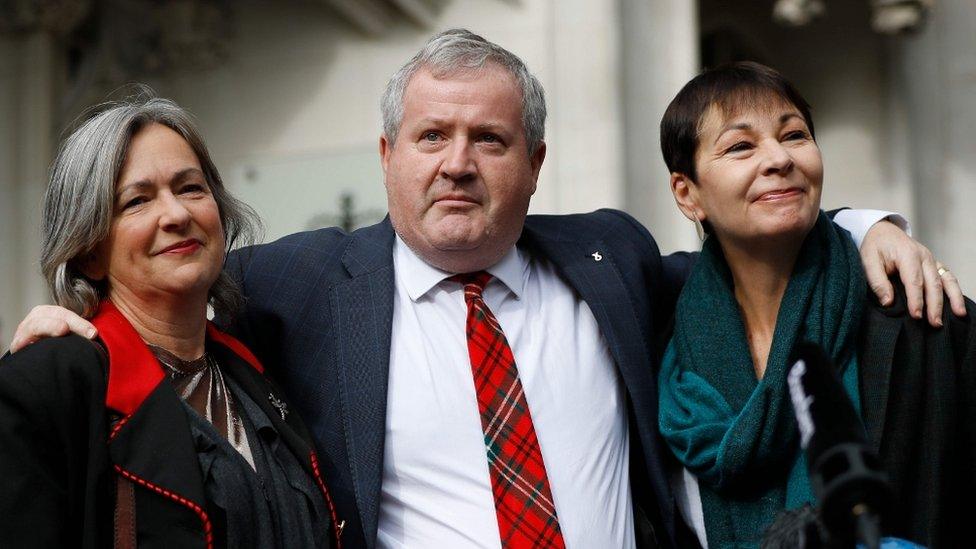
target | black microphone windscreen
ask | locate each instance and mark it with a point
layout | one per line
(825, 413)
(844, 474)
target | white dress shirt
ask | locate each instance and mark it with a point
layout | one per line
(436, 490)
(858, 222)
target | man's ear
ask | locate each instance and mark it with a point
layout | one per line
(385, 149)
(535, 161)
(686, 196)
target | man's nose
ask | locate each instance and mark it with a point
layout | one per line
(458, 164)
(174, 215)
(777, 159)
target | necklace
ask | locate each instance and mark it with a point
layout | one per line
(200, 383)
(177, 367)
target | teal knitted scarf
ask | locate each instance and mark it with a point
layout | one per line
(737, 435)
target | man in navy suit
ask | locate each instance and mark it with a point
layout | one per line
(367, 331)
(369, 327)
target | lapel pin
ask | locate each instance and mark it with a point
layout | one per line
(279, 405)
(597, 256)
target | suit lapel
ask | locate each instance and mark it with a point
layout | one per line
(156, 447)
(602, 287)
(588, 267)
(362, 316)
(879, 334)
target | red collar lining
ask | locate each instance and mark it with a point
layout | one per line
(235, 346)
(133, 371)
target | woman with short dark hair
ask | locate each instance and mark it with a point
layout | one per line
(775, 272)
(164, 432)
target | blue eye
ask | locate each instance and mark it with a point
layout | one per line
(431, 136)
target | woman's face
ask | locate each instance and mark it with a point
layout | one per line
(760, 173)
(166, 238)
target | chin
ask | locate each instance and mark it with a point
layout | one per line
(187, 288)
(791, 221)
(796, 229)
(457, 234)
(460, 254)
(447, 245)
(192, 283)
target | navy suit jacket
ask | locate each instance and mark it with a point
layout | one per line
(319, 314)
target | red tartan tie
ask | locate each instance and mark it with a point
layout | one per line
(523, 502)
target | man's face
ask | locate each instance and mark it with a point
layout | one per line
(460, 175)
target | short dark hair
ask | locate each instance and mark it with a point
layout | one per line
(730, 87)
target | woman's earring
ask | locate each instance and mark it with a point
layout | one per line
(699, 229)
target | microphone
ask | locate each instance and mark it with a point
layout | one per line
(845, 474)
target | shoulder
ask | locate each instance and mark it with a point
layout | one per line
(71, 352)
(614, 227)
(607, 233)
(899, 309)
(594, 223)
(59, 368)
(962, 330)
(318, 251)
(959, 332)
(313, 245)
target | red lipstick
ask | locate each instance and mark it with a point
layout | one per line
(182, 247)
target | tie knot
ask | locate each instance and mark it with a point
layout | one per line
(472, 282)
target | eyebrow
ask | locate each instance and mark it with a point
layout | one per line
(786, 116)
(490, 126)
(746, 126)
(179, 176)
(431, 120)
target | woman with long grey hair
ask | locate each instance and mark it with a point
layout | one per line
(163, 432)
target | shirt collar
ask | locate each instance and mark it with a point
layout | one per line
(419, 277)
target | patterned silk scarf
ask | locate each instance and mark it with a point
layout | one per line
(735, 433)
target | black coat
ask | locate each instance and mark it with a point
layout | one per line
(918, 393)
(60, 454)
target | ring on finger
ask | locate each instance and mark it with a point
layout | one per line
(942, 270)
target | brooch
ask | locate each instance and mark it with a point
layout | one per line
(279, 405)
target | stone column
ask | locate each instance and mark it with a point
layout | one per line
(586, 162)
(933, 78)
(659, 53)
(27, 142)
(10, 259)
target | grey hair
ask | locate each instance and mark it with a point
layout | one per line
(79, 201)
(460, 50)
